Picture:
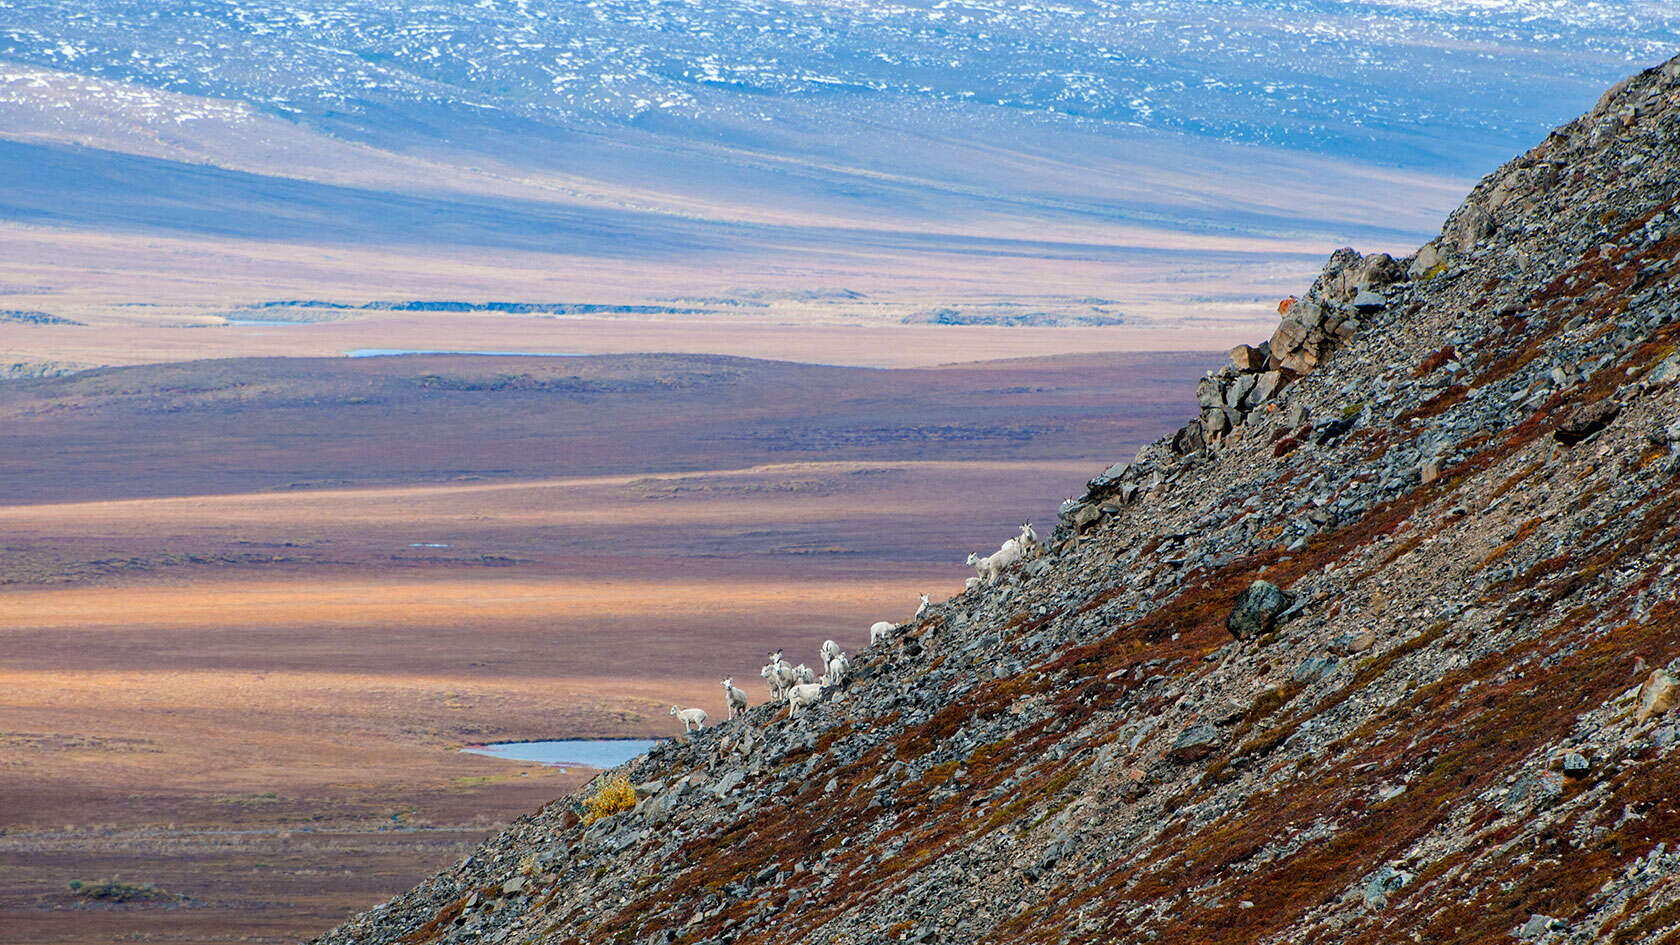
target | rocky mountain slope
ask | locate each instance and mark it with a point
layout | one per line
(1381, 647)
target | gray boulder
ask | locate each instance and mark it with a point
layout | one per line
(1189, 439)
(1248, 359)
(1586, 421)
(1196, 743)
(1366, 302)
(1257, 609)
(1388, 880)
(1312, 668)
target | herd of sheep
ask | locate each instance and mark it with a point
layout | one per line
(800, 686)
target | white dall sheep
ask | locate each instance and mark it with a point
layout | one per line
(733, 699)
(804, 694)
(1030, 545)
(923, 608)
(778, 675)
(803, 674)
(991, 567)
(830, 650)
(787, 673)
(691, 718)
(881, 631)
(837, 669)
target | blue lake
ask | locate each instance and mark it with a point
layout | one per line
(584, 752)
(397, 352)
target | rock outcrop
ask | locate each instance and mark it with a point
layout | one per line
(1451, 722)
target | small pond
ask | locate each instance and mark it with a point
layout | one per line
(583, 752)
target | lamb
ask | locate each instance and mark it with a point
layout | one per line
(837, 668)
(804, 694)
(778, 675)
(830, 650)
(803, 674)
(691, 718)
(734, 700)
(882, 631)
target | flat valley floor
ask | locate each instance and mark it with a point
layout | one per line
(251, 609)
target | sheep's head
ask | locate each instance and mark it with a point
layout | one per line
(973, 559)
(674, 710)
(729, 682)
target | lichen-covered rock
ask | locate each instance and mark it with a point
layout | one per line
(1257, 609)
(1248, 358)
(1659, 693)
(1190, 439)
(1388, 880)
(1585, 421)
(1425, 262)
(1195, 743)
